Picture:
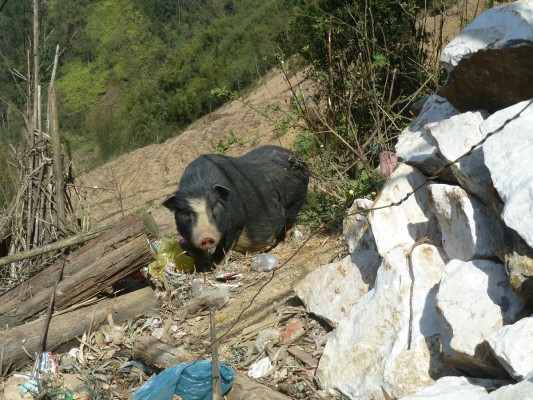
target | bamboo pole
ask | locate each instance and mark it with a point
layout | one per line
(70, 241)
(56, 149)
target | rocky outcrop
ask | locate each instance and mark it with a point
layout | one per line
(449, 312)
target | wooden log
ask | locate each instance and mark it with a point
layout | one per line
(164, 355)
(88, 271)
(17, 343)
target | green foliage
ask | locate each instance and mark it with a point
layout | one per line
(222, 146)
(81, 86)
(134, 72)
(319, 209)
(369, 64)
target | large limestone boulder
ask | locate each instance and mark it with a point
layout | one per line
(520, 391)
(333, 290)
(384, 348)
(455, 137)
(513, 347)
(466, 225)
(406, 221)
(489, 62)
(415, 147)
(356, 230)
(499, 24)
(474, 300)
(508, 156)
(453, 388)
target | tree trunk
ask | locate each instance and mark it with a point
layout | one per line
(17, 343)
(87, 272)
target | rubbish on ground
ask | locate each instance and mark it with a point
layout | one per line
(294, 329)
(260, 369)
(267, 337)
(231, 276)
(170, 257)
(190, 381)
(264, 262)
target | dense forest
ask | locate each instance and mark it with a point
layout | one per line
(135, 72)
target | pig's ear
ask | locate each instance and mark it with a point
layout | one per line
(170, 203)
(222, 191)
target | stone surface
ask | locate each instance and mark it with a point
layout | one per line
(332, 291)
(513, 347)
(466, 226)
(415, 147)
(455, 137)
(450, 388)
(407, 222)
(520, 391)
(474, 300)
(356, 230)
(508, 156)
(507, 78)
(499, 24)
(368, 357)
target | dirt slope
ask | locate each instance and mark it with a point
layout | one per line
(144, 178)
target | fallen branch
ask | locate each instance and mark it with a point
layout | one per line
(60, 244)
(20, 342)
(87, 272)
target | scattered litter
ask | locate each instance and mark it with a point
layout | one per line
(158, 332)
(231, 276)
(266, 338)
(47, 363)
(171, 259)
(140, 365)
(294, 329)
(191, 381)
(264, 262)
(260, 369)
(298, 233)
(206, 298)
(29, 387)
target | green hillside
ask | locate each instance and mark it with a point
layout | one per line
(134, 72)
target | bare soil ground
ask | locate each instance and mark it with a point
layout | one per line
(143, 179)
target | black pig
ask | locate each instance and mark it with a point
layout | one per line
(243, 203)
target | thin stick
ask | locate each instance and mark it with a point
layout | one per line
(71, 241)
(215, 371)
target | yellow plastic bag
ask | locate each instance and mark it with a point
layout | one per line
(170, 251)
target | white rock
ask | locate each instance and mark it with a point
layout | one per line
(450, 388)
(407, 222)
(509, 158)
(521, 391)
(356, 230)
(465, 225)
(454, 137)
(513, 347)
(368, 354)
(332, 291)
(414, 146)
(507, 22)
(474, 299)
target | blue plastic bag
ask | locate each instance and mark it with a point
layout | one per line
(191, 381)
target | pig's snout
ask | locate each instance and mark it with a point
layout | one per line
(207, 243)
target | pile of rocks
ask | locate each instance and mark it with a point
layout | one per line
(435, 299)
